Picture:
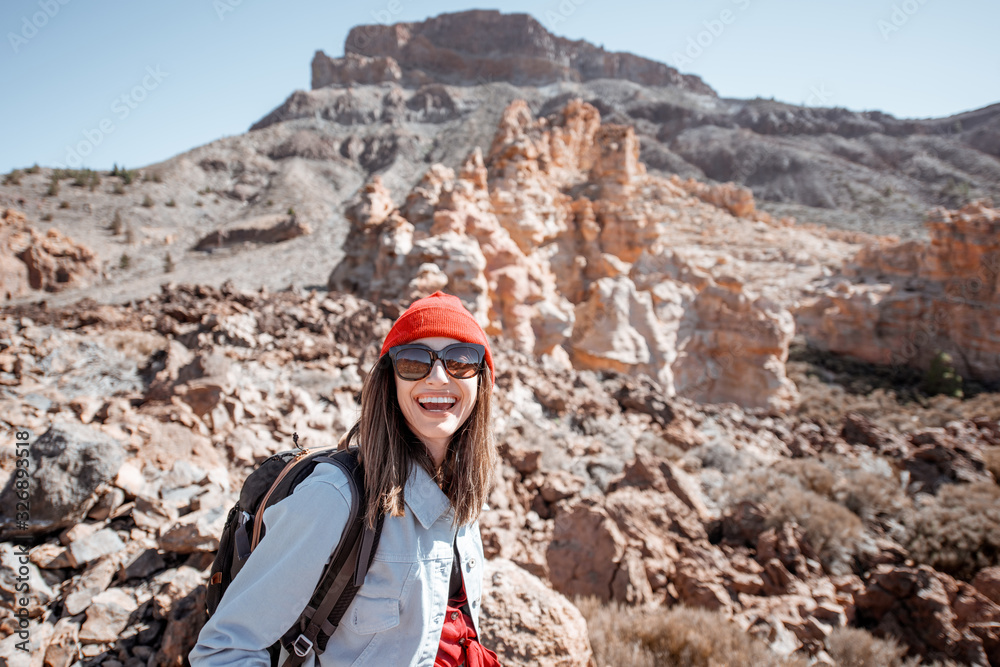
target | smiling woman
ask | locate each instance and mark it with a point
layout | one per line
(425, 443)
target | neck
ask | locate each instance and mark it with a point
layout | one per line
(437, 450)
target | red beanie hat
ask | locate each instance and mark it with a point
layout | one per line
(441, 315)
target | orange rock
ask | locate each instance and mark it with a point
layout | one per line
(913, 300)
(50, 261)
(589, 274)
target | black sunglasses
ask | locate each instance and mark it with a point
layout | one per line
(414, 362)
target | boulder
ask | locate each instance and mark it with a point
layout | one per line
(92, 547)
(107, 616)
(937, 616)
(195, 532)
(584, 553)
(527, 623)
(69, 463)
(51, 261)
(987, 582)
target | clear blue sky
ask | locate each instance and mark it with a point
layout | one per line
(220, 70)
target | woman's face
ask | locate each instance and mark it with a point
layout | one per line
(435, 422)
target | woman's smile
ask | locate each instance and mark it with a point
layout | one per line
(437, 402)
(437, 405)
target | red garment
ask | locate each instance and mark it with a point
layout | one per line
(439, 314)
(459, 645)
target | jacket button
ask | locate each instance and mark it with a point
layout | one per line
(472, 563)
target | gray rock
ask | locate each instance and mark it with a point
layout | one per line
(11, 647)
(143, 565)
(181, 497)
(198, 531)
(50, 556)
(68, 463)
(528, 623)
(92, 547)
(107, 616)
(97, 577)
(183, 473)
(110, 500)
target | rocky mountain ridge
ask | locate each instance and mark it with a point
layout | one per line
(479, 46)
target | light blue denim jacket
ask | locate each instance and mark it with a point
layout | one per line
(397, 616)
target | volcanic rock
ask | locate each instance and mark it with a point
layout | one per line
(265, 229)
(588, 275)
(69, 463)
(907, 303)
(482, 45)
(50, 261)
(527, 623)
(932, 613)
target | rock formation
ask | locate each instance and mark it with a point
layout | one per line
(50, 261)
(939, 616)
(558, 240)
(265, 229)
(527, 622)
(483, 45)
(903, 304)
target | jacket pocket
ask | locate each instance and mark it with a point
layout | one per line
(371, 615)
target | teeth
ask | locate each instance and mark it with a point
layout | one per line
(436, 399)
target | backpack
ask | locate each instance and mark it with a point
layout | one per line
(272, 481)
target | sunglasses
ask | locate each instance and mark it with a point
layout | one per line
(414, 362)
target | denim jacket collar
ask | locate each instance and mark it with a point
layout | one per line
(423, 497)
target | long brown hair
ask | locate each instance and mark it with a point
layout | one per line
(387, 449)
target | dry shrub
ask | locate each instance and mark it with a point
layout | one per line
(676, 637)
(958, 530)
(812, 473)
(835, 533)
(867, 486)
(613, 633)
(853, 647)
(831, 386)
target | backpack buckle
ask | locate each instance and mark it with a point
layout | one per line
(302, 645)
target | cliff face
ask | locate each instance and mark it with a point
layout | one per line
(904, 303)
(483, 45)
(560, 241)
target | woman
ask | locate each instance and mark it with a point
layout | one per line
(426, 445)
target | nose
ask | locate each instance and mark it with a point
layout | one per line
(438, 374)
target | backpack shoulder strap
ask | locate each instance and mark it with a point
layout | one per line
(344, 574)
